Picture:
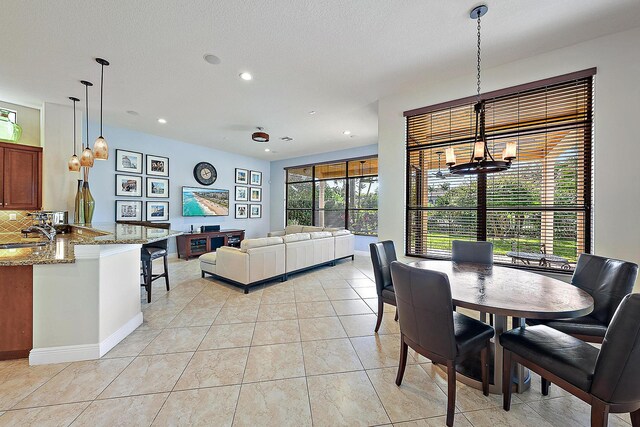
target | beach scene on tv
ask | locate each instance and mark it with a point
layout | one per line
(204, 201)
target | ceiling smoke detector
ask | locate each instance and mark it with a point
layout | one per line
(286, 138)
(260, 137)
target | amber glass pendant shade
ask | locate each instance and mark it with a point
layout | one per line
(86, 159)
(101, 149)
(74, 164)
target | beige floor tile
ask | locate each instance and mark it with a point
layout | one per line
(350, 274)
(214, 368)
(365, 324)
(346, 399)
(132, 345)
(148, 374)
(309, 295)
(333, 283)
(271, 362)
(203, 407)
(45, 416)
(330, 356)
(237, 314)
(282, 311)
(417, 397)
(274, 403)
(18, 379)
(534, 393)
(321, 328)
(379, 351)
(459, 421)
(228, 336)
(194, 316)
(520, 415)
(276, 332)
(158, 319)
(373, 305)
(361, 282)
(367, 292)
(279, 294)
(176, 340)
(308, 310)
(239, 298)
(467, 398)
(80, 381)
(341, 294)
(569, 412)
(123, 411)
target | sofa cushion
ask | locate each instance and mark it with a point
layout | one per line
(341, 233)
(320, 234)
(209, 258)
(258, 243)
(309, 229)
(295, 237)
(292, 229)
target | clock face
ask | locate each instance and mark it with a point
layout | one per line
(205, 173)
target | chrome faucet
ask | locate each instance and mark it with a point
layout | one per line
(43, 227)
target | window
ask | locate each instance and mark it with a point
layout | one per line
(538, 213)
(342, 194)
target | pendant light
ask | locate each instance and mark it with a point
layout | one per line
(74, 162)
(100, 147)
(481, 161)
(87, 155)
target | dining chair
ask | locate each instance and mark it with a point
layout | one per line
(607, 280)
(608, 379)
(382, 255)
(429, 326)
(150, 252)
(475, 252)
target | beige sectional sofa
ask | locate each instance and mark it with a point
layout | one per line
(275, 257)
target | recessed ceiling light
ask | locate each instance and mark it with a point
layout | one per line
(346, 132)
(312, 112)
(246, 76)
(163, 121)
(267, 150)
(212, 59)
(133, 113)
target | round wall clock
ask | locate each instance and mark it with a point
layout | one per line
(205, 173)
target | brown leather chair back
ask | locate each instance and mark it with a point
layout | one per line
(617, 374)
(476, 252)
(425, 310)
(382, 255)
(606, 280)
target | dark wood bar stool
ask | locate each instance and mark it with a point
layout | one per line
(150, 252)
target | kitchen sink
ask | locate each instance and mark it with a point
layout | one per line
(22, 245)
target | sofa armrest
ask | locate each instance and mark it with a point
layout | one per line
(233, 264)
(278, 233)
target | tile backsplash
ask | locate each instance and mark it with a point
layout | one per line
(21, 222)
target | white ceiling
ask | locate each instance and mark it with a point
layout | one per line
(336, 57)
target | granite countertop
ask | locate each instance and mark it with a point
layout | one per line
(60, 251)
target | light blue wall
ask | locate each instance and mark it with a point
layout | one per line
(182, 158)
(278, 177)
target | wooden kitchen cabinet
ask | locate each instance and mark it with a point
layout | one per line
(20, 177)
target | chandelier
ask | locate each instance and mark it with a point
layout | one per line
(481, 161)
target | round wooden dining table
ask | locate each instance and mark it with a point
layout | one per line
(504, 292)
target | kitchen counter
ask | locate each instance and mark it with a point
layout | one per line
(61, 250)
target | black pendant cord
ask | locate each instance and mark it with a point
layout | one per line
(86, 100)
(74, 127)
(101, 95)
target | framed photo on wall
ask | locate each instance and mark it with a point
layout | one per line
(242, 210)
(157, 188)
(256, 178)
(157, 211)
(255, 194)
(128, 161)
(128, 185)
(128, 210)
(255, 211)
(242, 176)
(242, 194)
(157, 165)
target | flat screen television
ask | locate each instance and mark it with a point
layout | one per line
(204, 202)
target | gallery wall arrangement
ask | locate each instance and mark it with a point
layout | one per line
(248, 189)
(129, 183)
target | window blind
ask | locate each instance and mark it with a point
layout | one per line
(538, 213)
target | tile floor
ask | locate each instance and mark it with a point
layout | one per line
(297, 353)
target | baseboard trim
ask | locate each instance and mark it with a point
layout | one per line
(76, 353)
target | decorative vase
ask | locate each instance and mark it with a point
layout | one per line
(9, 131)
(89, 203)
(78, 216)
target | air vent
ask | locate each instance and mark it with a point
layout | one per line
(286, 138)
